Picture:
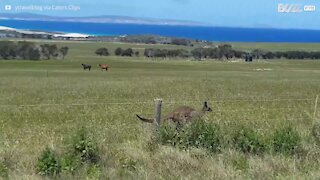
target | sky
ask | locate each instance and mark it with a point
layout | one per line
(236, 13)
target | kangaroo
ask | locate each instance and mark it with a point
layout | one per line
(104, 66)
(182, 114)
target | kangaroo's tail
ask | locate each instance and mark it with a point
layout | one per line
(145, 119)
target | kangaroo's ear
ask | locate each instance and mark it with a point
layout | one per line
(205, 104)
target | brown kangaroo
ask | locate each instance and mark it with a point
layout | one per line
(104, 66)
(182, 114)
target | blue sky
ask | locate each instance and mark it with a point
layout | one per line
(246, 13)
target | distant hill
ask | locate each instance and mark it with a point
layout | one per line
(98, 19)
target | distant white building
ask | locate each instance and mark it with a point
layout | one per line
(71, 35)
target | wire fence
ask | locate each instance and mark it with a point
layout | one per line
(293, 109)
(228, 100)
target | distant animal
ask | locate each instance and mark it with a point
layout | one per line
(104, 66)
(86, 66)
(182, 114)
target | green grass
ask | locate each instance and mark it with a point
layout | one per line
(239, 94)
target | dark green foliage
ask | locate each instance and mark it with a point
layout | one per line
(30, 51)
(93, 172)
(102, 52)
(49, 51)
(145, 39)
(181, 42)
(48, 163)
(84, 146)
(167, 134)
(70, 163)
(261, 54)
(127, 52)
(118, 52)
(124, 52)
(286, 140)
(64, 51)
(222, 51)
(249, 141)
(199, 134)
(166, 53)
(3, 171)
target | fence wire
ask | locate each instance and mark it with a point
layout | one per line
(152, 102)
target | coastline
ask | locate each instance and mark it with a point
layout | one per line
(213, 34)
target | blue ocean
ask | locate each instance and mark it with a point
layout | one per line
(220, 34)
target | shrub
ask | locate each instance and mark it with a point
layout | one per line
(198, 134)
(285, 140)
(248, 141)
(70, 163)
(102, 52)
(84, 146)
(167, 135)
(127, 52)
(3, 171)
(48, 164)
(93, 172)
(201, 134)
(118, 51)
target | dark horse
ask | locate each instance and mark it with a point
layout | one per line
(86, 66)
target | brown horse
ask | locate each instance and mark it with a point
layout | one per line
(104, 66)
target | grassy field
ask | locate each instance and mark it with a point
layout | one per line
(43, 104)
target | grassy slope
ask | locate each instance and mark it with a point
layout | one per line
(26, 131)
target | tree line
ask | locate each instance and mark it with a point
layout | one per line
(118, 52)
(224, 51)
(153, 39)
(30, 51)
(227, 52)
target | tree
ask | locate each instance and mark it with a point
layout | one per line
(197, 53)
(226, 51)
(64, 51)
(118, 52)
(102, 52)
(257, 53)
(182, 42)
(127, 52)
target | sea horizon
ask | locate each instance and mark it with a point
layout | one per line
(208, 33)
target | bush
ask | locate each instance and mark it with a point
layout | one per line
(118, 51)
(94, 172)
(248, 141)
(286, 140)
(70, 163)
(127, 52)
(3, 171)
(167, 135)
(201, 134)
(84, 146)
(102, 52)
(198, 134)
(48, 164)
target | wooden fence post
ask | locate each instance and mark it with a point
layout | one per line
(315, 109)
(158, 105)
